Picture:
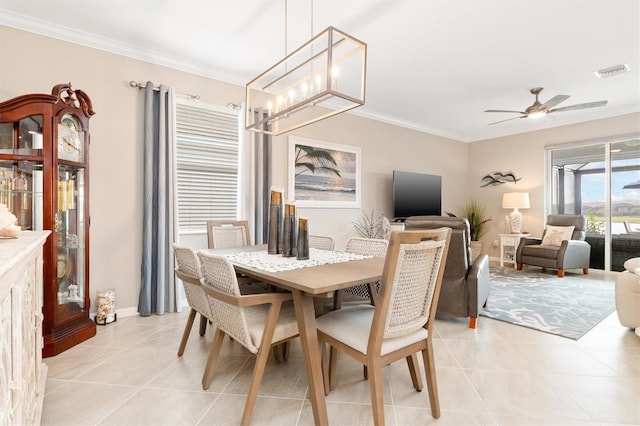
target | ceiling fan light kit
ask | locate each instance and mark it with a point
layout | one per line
(539, 110)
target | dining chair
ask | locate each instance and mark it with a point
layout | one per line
(228, 233)
(256, 321)
(401, 323)
(223, 234)
(322, 242)
(367, 247)
(189, 271)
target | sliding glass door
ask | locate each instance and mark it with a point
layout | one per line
(600, 180)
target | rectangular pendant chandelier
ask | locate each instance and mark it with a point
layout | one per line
(322, 78)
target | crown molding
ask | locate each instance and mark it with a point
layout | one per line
(60, 32)
(365, 113)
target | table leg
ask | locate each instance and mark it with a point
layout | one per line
(305, 315)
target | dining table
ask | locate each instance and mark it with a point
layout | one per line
(319, 276)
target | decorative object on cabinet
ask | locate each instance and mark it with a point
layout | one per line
(44, 140)
(515, 201)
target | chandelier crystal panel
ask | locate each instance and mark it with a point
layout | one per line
(324, 77)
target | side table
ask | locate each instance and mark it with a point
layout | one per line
(508, 246)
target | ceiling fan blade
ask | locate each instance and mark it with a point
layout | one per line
(555, 101)
(504, 110)
(580, 106)
(502, 121)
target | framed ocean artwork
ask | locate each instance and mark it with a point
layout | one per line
(323, 174)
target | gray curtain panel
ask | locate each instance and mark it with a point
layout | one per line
(262, 184)
(157, 289)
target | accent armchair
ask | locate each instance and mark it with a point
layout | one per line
(465, 286)
(569, 251)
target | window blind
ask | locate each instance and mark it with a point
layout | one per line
(207, 165)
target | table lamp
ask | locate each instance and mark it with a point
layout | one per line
(515, 201)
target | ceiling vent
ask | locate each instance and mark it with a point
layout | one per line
(611, 71)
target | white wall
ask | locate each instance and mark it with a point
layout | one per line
(524, 155)
(38, 63)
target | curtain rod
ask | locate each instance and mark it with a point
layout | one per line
(141, 86)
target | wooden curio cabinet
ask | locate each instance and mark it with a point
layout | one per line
(44, 181)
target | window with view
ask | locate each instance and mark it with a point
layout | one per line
(602, 182)
(207, 143)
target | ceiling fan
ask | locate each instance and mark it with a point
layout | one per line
(538, 110)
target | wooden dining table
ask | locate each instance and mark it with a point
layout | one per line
(306, 284)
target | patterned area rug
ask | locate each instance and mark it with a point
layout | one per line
(568, 307)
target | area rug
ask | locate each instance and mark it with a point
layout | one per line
(568, 307)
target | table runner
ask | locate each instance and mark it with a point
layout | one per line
(275, 263)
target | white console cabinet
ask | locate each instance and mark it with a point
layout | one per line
(22, 372)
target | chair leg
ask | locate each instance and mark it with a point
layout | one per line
(414, 371)
(585, 271)
(210, 367)
(258, 372)
(560, 273)
(375, 386)
(432, 384)
(337, 300)
(325, 368)
(472, 322)
(187, 331)
(333, 366)
(203, 324)
(519, 266)
(373, 293)
(276, 350)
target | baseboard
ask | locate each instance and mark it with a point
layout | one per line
(122, 313)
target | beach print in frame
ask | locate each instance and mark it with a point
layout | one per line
(323, 174)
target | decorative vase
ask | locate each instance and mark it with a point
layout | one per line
(476, 250)
(302, 247)
(274, 232)
(289, 230)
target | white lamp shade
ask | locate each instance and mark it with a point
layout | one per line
(515, 200)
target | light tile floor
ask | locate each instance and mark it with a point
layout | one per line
(496, 374)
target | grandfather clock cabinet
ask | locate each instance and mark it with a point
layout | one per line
(44, 181)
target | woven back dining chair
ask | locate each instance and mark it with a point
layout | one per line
(401, 323)
(256, 321)
(228, 233)
(367, 247)
(188, 270)
(321, 242)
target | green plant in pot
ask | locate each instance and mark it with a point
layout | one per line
(474, 212)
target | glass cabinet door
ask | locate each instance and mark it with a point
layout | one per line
(22, 192)
(22, 137)
(70, 238)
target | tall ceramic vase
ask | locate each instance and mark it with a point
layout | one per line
(275, 230)
(303, 239)
(289, 230)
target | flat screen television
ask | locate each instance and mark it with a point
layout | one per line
(416, 194)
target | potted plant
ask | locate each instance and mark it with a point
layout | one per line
(475, 214)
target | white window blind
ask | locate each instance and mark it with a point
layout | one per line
(207, 165)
